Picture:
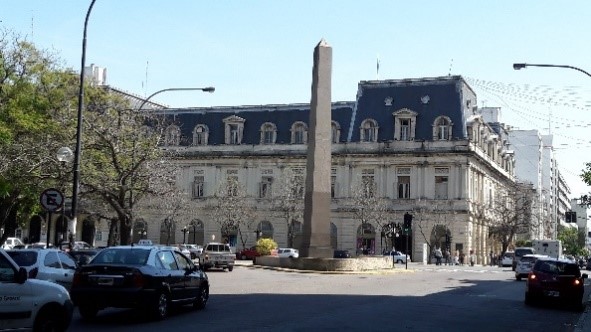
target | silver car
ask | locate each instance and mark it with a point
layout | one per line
(525, 265)
(46, 264)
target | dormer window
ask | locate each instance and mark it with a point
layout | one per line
(335, 132)
(442, 128)
(268, 133)
(369, 130)
(200, 135)
(299, 133)
(172, 136)
(404, 124)
(234, 128)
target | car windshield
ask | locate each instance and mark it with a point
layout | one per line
(560, 268)
(23, 258)
(528, 259)
(521, 252)
(124, 256)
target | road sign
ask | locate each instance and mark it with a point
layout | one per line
(52, 199)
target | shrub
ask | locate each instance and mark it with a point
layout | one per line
(265, 246)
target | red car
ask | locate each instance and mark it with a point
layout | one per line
(555, 279)
(247, 253)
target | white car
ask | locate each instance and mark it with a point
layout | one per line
(11, 242)
(507, 259)
(29, 304)
(398, 256)
(525, 265)
(288, 252)
(46, 264)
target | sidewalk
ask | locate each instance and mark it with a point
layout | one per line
(584, 322)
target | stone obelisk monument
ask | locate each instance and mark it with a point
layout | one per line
(316, 228)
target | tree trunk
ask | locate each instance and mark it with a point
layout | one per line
(113, 232)
(125, 232)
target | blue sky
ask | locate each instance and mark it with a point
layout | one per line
(260, 52)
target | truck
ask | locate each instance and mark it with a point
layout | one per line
(552, 248)
(217, 255)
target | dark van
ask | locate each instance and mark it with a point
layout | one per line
(520, 252)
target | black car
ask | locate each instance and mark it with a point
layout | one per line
(555, 279)
(342, 254)
(145, 277)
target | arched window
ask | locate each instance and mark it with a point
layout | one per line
(442, 128)
(335, 132)
(299, 133)
(167, 232)
(140, 231)
(369, 131)
(200, 135)
(172, 136)
(268, 133)
(234, 128)
(266, 229)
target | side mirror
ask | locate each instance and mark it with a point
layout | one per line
(21, 275)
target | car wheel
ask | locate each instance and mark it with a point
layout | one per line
(49, 320)
(201, 300)
(230, 268)
(87, 312)
(160, 308)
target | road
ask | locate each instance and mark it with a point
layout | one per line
(430, 298)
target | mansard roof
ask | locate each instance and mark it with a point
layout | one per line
(425, 98)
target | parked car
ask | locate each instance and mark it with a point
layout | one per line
(76, 245)
(507, 259)
(83, 256)
(144, 277)
(31, 304)
(398, 256)
(288, 252)
(217, 255)
(525, 265)
(588, 265)
(193, 249)
(247, 253)
(555, 279)
(341, 254)
(11, 242)
(38, 245)
(46, 264)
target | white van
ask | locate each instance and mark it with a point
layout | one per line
(31, 303)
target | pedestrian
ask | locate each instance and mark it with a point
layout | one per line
(438, 256)
(447, 257)
(456, 258)
(461, 258)
(491, 257)
(472, 258)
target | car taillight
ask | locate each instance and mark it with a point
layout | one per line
(138, 280)
(33, 273)
(577, 282)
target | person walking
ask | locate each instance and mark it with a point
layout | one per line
(438, 256)
(472, 258)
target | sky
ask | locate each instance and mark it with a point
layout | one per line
(261, 52)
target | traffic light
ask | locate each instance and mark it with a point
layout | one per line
(407, 223)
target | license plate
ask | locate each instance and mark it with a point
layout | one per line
(553, 293)
(105, 281)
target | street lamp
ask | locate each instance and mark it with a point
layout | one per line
(185, 230)
(76, 181)
(518, 66)
(209, 89)
(64, 155)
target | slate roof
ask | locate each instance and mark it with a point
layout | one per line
(444, 98)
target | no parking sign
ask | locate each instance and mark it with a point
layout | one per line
(52, 199)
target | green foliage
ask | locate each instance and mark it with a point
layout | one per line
(265, 246)
(570, 241)
(523, 243)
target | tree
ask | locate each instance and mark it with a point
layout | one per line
(570, 241)
(231, 209)
(289, 201)
(122, 157)
(511, 213)
(35, 120)
(367, 206)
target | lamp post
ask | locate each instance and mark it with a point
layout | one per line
(209, 89)
(64, 155)
(518, 66)
(185, 230)
(76, 184)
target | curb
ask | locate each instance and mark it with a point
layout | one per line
(370, 272)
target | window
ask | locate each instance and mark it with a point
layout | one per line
(172, 136)
(265, 190)
(335, 132)
(98, 236)
(441, 187)
(232, 186)
(167, 260)
(369, 131)
(234, 127)
(67, 262)
(299, 133)
(183, 263)
(200, 135)
(368, 185)
(198, 184)
(404, 124)
(6, 270)
(442, 128)
(51, 260)
(404, 187)
(268, 133)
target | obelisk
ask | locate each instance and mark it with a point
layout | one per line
(316, 228)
